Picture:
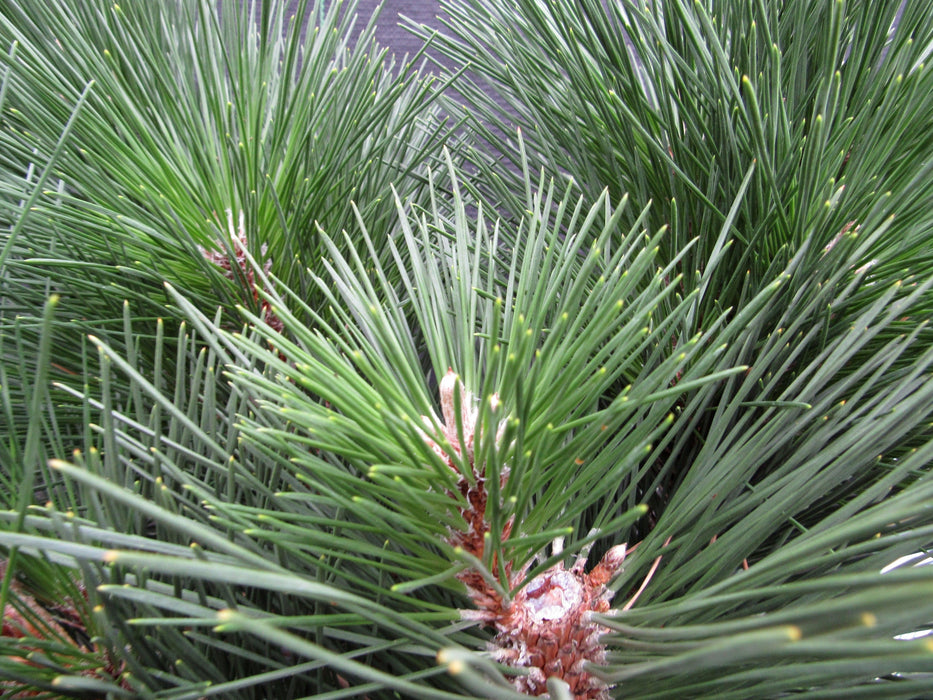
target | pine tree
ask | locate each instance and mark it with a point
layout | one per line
(620, 389)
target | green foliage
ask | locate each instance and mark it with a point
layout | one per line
(701, 330)
(752, 127)
(134, 136)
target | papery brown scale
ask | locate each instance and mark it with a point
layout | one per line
(546, 629)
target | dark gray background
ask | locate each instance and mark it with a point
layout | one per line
(389, 33)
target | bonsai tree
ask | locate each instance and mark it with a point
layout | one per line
(632, 400)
